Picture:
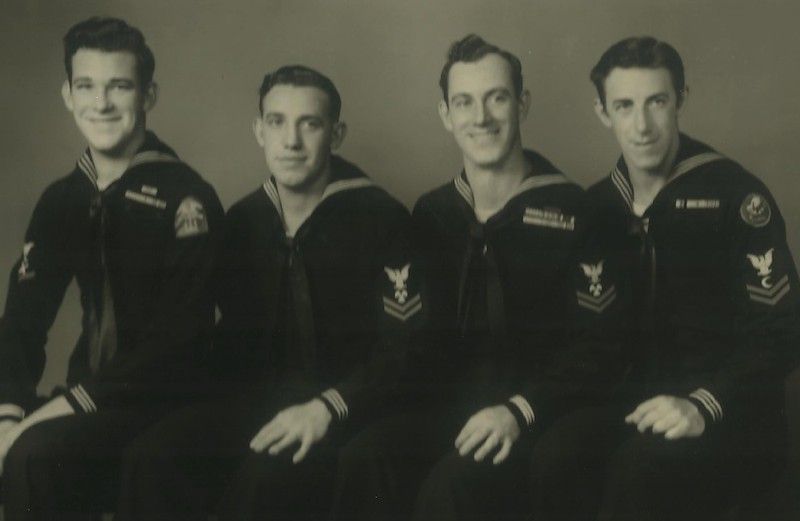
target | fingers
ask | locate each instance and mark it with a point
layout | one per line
(305, 446)
(288, 439)
(643, 408)
(465, 432)
(491, 442)
(472, 441)
(678, 431)
(503, 453)
(667, 422)
(268, 434)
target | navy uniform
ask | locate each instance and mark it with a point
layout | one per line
(711, 292)
(142, 253)
(327, 313)
(503, 305)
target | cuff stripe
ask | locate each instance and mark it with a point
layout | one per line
(10, 409)
(525, 407)
(83, 398)
(710, 403)
(333, 396)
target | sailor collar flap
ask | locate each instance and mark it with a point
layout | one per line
(151, 151)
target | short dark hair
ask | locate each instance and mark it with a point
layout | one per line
(472, 48)
(301, 76)
(110, 35)
(639, 51)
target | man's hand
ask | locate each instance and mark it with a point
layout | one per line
(306, 424)
(675, 417)
(491, 426)
(55, 408)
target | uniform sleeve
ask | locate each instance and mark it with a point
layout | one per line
(400, 308)
(36, 288)
(592, 363)
(182, 316)
(764, 287)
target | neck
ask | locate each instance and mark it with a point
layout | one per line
(493, 186)
(647, 183)
(299, 203)
(111, 165)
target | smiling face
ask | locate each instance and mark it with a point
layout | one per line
(107, 101)
(642, 107)
(297, 134)
(483, 112)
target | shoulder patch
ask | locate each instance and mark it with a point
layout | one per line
(769, 291)
(598, 297)
(25, 272)
(755, 210)
(190, 218)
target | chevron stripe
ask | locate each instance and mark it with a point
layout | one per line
(764, 292)
(773, 300)
(404, 312)
(596, 304)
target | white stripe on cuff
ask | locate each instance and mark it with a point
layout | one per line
(83, 398)
(524, 407)
(337, 401)
(710, 403)
(9, 409)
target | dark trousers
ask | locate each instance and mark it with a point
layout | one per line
(68, 468)
(199, 461)
(406, 467)
(591, 465)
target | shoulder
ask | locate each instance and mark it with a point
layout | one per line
(440, 197)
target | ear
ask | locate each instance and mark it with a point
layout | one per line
(66, 94)
(150, 96)
(444, 114)
(258, 125)
(338, 133)
(524, 104)
(600, 110)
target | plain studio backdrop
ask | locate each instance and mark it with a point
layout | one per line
(741, 58)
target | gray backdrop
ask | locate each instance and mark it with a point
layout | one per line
(385, 56)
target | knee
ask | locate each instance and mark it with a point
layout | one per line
(452, 472)
(34, 445)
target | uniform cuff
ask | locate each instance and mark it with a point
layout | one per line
(9, 411)
(708, 405)
(335, 404)
(521, 410)
(80, 400)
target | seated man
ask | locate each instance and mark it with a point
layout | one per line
(318, 297)
(501, 245)
(138, 229)
(711, 293)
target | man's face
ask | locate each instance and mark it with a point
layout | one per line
(642, 109)
(107, 100)
(483, 111)
(297, 134)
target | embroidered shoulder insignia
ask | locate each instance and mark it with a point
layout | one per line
(768, 292)
(401, 306)
(755, 210)
(190, 218)
(598, 298)
(25, 272)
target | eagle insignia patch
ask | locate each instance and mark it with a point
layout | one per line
(755, 210)
(25, 272)
(768, 292)
(596, 299)
(190, 218)
(401, 306)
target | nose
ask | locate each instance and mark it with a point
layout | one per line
(101, 100)
(482, 114)
(642, 120)
(291, 137)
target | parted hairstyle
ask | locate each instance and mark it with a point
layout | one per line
(110, 35)
(301, 76)
(639, 51)
(472, 48)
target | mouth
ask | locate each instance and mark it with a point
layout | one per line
(299, 159)
(104, 121)
(644, 144)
